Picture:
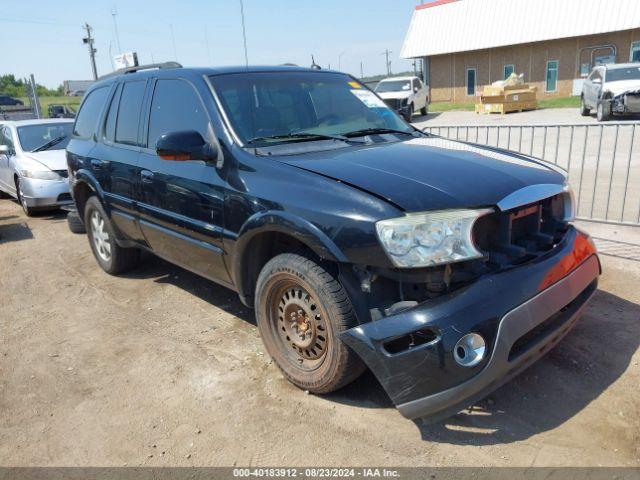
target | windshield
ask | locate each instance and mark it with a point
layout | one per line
(394, 86)
(271, 108)
(618, 74)
(34, 136)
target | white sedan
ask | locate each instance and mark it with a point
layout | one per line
(33, 163)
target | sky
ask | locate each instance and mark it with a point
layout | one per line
(45, 37)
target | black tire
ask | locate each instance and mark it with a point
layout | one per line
(306, 347)
(4, 194)
(584, 110)
(408, 116)
(424, 111)
(28, 211)
(75, 223)
(111, 257)
(603, 112)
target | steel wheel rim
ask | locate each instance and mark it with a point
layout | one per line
(299, 325)
(100, 237)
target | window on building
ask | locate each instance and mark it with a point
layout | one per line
(471, 81)
(634, 56)
(508, 70)
(552, 76)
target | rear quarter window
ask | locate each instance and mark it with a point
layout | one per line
(89, 114)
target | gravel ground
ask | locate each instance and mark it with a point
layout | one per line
(162, 368)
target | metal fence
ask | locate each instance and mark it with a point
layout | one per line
(602, 161)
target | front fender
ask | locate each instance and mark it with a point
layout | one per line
(285, 223)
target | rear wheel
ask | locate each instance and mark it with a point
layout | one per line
(301, 310)
(113, 258)
(584, 110)
(28, 211)
(425, 110)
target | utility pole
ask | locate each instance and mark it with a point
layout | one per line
(114, 12)
(361, 70)
(92, 51)
(244, 34)
(386, 53)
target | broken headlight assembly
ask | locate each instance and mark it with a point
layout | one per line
(432, 238)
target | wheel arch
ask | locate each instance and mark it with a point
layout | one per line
(268, 234)
(85, 185)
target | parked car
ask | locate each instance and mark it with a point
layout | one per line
(444, 267)
(33, 166)
(612, 90)
(7, 101)
(60, 111)
(405, 95)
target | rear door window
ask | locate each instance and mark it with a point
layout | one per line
(89, 114)
(176, 107)
(110, 124)
(129, 112)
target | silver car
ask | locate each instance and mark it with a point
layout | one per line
(612, 89)
(33, 164)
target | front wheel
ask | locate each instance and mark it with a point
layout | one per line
(301, 311)
(28, 211)
(424, 111)
(603, 112)
(113, 258)
(408, 115)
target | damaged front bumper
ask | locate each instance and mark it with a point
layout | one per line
(521, 313)
(627, 103)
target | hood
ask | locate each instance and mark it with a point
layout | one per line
(395, 95)
(622, 86)
(52, 159)
(430, 173)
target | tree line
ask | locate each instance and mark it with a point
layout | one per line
(17, 87)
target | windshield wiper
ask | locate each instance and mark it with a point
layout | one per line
(50, 143)
(301, 136)
(377, 131)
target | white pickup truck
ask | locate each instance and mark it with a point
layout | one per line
(404, 95)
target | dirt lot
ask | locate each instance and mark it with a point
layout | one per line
(163, 368)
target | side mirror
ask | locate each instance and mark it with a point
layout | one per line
(185, 146)
(416, 90)
(597, 81)
(4, 150)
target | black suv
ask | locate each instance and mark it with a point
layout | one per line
(444, 267)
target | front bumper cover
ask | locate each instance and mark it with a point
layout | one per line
(45, 193)
(522, 313)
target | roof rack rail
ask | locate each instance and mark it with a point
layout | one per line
(151, 66)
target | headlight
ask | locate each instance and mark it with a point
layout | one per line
(434, 238)
(41, 174)
(569, 204)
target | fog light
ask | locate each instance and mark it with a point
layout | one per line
(470, 350)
